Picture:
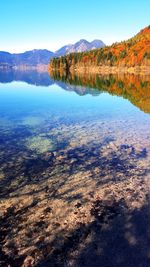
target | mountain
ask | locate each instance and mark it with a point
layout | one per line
(34, 57)
(5, 57)
(131, 53)
(97, 44)
(80, 46)
(42, 56)
(30, 58)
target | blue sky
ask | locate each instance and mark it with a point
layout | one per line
(29, 24)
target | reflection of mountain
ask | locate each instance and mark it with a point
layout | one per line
(30, 77)
(78, 89)
(135, 88)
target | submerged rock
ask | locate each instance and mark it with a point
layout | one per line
(28, 262)
(40, 144)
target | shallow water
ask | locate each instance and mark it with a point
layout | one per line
(41, 115)
(42, 120)
(63, 142)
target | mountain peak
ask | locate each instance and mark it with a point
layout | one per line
(82, 41)
(97, 43)
(80, 46)
(134, 52)
(43, 56)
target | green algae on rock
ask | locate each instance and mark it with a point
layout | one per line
(40, 144)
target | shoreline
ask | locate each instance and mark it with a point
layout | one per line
(143, 70)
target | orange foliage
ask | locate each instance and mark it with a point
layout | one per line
(133, 52)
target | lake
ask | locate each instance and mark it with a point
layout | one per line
(74, 169)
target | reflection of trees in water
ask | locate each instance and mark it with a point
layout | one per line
(114, 233)
(135, 88)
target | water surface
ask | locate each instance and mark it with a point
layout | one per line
(65, 142)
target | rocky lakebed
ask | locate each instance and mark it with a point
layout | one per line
(76, 194)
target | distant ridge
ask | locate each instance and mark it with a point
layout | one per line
(80, 46)
(42, 56)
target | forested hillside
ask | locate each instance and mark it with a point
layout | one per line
(130, 53)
